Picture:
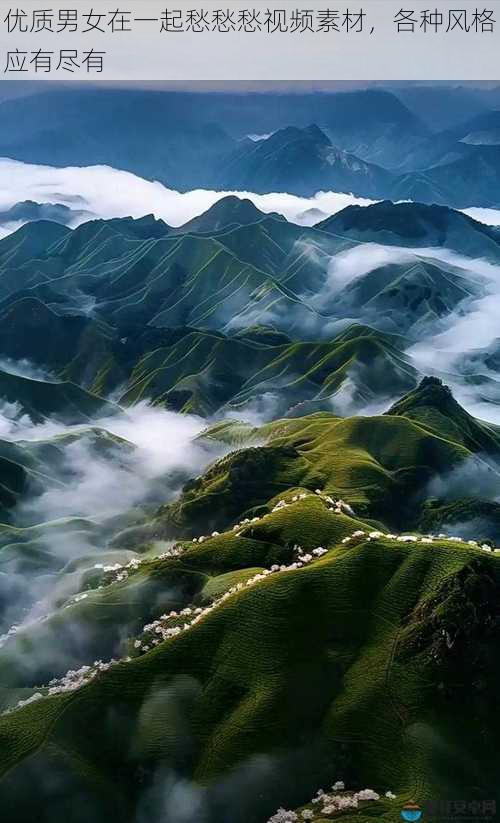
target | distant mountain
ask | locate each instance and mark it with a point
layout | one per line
(302, 161)
(365, 142)
(373, 124)
(482, 130)
(472, 180)
(28, 211)
(172, 139)
(441, 107)
(183, 138)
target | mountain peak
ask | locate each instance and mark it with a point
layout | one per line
(400, 218)
(228, 211)
(311, 133)
(433, 405)
(431, 391)
(317, 134)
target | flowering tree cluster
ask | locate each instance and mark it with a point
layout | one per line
(170, 625)
(328, 804)
(360, 536)
(162, 629)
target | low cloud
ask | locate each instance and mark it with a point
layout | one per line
(351, 265)
(490, 217)
(351, 400)
(157, 451)
(471, 327)
(25, 368)
(106, 192)
(475, 477)
(96, 481)
(259, 410)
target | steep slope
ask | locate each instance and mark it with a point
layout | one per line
(206, 373)
(29, 242)
(132, 305)
(237, 278)
(44, 399)
(433, 405)
(408, 297)
(382, 465)
(29, 330)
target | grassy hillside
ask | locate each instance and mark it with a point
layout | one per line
(44, 399)
(350, 666)
(153, 312)
(317, 607)
(294, 629)
(382, 465)
(203, 373)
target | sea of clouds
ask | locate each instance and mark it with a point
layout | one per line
(105, 192)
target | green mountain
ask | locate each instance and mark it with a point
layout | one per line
(139, 309)
(42, 400)
(267, 591)
(408, 297)
(415, 225)
(209, 373)
(433, 405)
(301, 638)
(193, 279)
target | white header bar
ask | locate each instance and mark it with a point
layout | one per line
(141, 40)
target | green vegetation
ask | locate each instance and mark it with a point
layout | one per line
(336, 670)
(351, 663)
(320, 603)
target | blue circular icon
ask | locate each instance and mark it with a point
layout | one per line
(411, 812)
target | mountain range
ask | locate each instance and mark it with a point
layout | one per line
(249, 469)
(150, 311)
(371, 143)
